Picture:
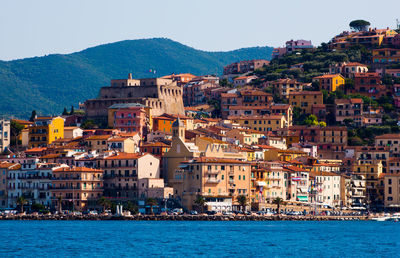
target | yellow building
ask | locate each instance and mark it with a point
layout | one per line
(330, 82)
(392, 191)
(45, 131)
(270, 182)
(305, 100)
(371, 171)
(266, 123)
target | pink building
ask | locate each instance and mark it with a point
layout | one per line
(129, 117)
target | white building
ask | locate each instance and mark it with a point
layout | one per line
(4, 134)
(327, 188)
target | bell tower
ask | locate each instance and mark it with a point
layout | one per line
(178, 129)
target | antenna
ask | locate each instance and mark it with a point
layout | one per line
(397, 24)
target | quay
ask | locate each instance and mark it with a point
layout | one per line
(184, 217)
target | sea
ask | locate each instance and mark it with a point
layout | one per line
(199, 239)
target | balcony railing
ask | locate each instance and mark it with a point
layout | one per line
(213, 180)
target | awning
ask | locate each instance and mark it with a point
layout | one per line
(183, 165)
(261, 183)
(303, 198)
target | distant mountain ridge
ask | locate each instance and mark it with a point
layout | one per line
(50, 83)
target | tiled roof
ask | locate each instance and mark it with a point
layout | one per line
(305, 92)
(123, 155)
(76, 169)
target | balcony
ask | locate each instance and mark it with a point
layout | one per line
(231, 172)
(211, 172)
(212, 181)
(231, 181)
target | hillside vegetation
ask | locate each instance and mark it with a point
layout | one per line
(50, 83)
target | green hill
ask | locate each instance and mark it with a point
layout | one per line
(50, 83)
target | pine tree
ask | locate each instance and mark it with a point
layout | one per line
(33, 116)
(65, 112)
(72, 110)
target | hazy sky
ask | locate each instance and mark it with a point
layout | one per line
(39, 27)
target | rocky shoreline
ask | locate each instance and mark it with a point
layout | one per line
(183, 218)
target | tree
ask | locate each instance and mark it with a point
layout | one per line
(72, 110)
(15, 130)
(130, 206)
(65, 112)
(105, 203)
(311, 120)
(59, 199)
(38, 207)
(278, 201)
(322, 124)
(151, 202)
(348, 121)
(200, 201)
(33, 116)
(359, 25)
(242, 200)
(21, 201)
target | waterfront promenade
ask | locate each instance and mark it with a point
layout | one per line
(186, 217)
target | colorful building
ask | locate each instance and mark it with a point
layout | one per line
(78, 188)
(130, 117)
(305, 100)
(220, 181)
(330, 82)
(45, 131)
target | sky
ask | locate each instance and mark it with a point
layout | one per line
(41, 27)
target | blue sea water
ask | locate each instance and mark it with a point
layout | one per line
(199, 239)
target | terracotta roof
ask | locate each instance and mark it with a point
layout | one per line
(22, 122)
(305, 92)
(99, 137)
(358, 75)
(123, 155)
(215, 160)
(51, 156)
(328, 76)
(273, 117)
(355, 64)
(36, 150)
(155, 144)
(247, 107)
(9, 165)
(77, 169)
(388, 136)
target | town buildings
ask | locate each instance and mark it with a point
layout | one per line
(244, 66)
(305, 100)
(76, 188)
(45, 131)
(5, 135)
(161, 95)
(330, 82)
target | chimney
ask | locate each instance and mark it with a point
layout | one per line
(130, 76)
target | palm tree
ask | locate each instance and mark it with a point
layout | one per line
(151, 202)
(59, 198)
(21, 201)
(200, 201)
(278, 201)
(104, 202)
(242, 200)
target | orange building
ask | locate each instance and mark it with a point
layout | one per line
(305, 100)
(78, 187)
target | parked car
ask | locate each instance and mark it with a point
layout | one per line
(193, 212)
